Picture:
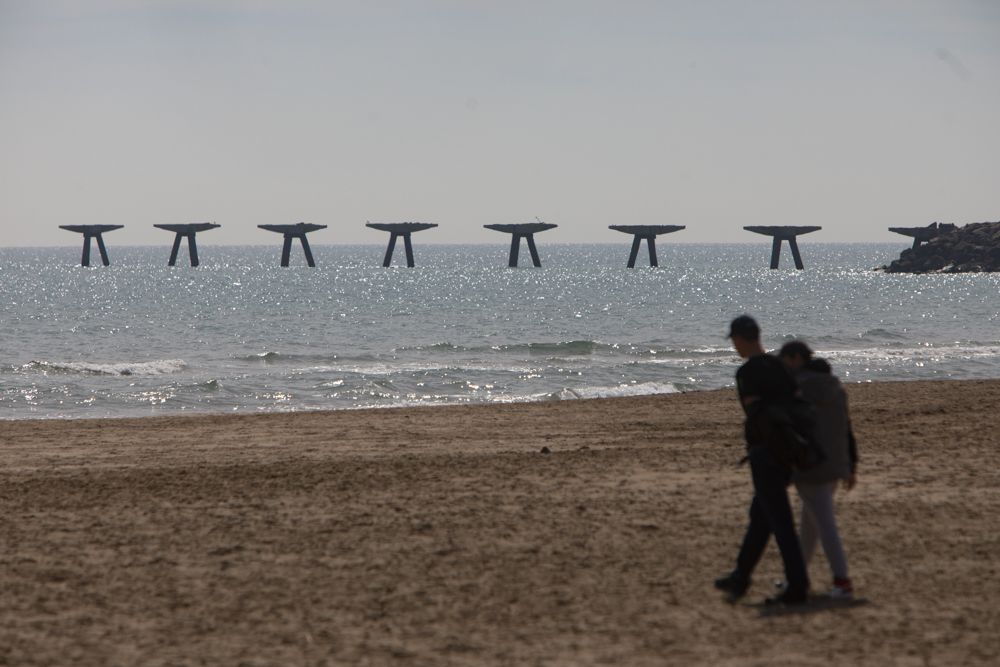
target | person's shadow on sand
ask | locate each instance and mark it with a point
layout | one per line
(816, 604)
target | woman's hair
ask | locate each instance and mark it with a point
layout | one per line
(819, 365)
(796, 348)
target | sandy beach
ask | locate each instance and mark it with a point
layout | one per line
(558, 533)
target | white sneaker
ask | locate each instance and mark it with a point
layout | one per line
(842, 590)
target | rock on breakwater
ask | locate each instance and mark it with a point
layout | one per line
(972, 248)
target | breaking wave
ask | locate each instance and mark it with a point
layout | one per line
(142, 368)
(641, 389)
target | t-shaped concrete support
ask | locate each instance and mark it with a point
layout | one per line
(188, 231)
(397, 229)
(647, 232)
(923, 234)
(297, 231)
(92, 232)
(525, 231)
(783, 233)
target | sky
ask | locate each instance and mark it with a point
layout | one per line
(713, 114)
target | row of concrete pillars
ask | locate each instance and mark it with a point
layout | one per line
(518, 232)
(290, 232)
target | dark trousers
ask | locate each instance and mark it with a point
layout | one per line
(770, 513)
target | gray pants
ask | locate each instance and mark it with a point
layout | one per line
(818, 521)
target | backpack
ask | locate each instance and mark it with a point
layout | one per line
(787, 429)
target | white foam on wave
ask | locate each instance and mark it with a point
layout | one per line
(426, 401)
(417, 367)
(157, 367)
(891, 355)
(640, 389)
(923, 353)
(707, 360)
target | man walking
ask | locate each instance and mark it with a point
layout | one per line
(763, 381)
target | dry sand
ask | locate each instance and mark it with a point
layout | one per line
(437, 536)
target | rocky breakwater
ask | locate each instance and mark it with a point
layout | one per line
(974, 247)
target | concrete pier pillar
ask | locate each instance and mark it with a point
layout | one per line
(188, 232)
(647, 233)
(297, 231)
(526, 232)
(92, 232)
(783, 233)
(923, 234)
(397, 229)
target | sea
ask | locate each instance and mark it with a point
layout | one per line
(241, 334)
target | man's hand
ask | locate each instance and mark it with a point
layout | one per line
(851, 481)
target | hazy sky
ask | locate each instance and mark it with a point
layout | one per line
(850, 115)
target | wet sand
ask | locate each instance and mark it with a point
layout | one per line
(446, 536)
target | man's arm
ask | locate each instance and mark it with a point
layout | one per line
(852, 450)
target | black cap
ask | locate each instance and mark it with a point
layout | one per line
(745, 327)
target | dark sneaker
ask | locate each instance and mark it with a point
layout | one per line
(734, 584)
(789, 596)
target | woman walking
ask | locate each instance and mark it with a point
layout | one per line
(816, 486)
